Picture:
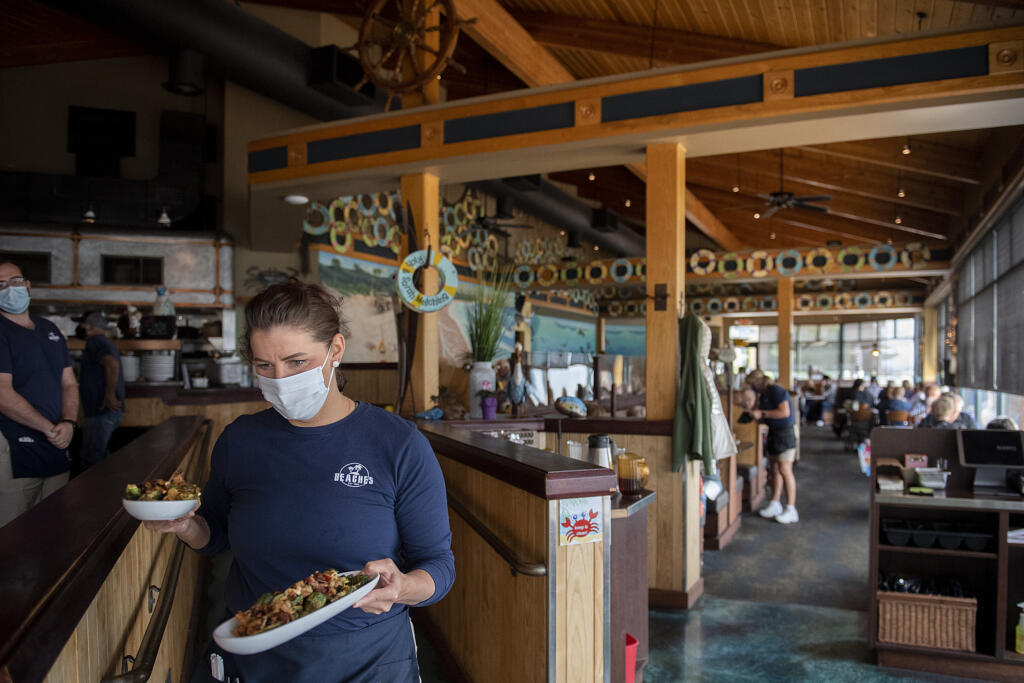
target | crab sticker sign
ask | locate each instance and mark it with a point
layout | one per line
(580, 520)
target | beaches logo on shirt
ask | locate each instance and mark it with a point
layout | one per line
(354, 475)
(53, 336)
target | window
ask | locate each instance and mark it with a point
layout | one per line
(990, 320)
(35, 266)
(133, 270)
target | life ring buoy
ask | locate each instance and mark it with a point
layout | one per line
(759, 263)
(491, 261)
(843, 301)
(904, 298)
(350, 214)
(346, 238)
(714, 306)
(731, 305)
(621, 270)
(824, 302)
(789, 262)
(730, 265)
(615, 309)
(883, 299)
(395, 240)
(608, 292)
(640, 269)
(862, 300)
(417, 300)
(696, 306)
(749, 304)
(524, 276)
(596, 272)
(882, 257)
(547, 275)
(321, 222)
(804, 303)
(845, 264)
(475, 257)
(524, 251)
(336, 209)
(380, 231)
(632, 308)
(367, 205)
(571, 274)
(819, 259)
(702, 261)
(915, 253)
(385, 203)
(769, 303)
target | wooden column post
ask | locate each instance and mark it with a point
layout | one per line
(929, 334)
(420, 191)
(676, 581)
(785, 378)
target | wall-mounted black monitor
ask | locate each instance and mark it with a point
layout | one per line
(991, 448)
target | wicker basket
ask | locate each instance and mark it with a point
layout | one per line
(927, 620)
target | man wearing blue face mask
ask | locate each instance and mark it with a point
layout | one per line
(38, 400)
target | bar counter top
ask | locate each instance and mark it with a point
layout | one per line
(173, 393)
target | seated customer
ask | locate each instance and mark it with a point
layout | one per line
(961, 420)
(1002, 423)
(898, 401)
(923, 400)
(884, 399)
(861, 394)
(942, 414)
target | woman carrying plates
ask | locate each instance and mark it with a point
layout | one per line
(320, 481)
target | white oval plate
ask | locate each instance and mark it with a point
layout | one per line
(249, 645)
(157, 510)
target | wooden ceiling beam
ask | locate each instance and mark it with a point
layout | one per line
(633, 40)
(925, 158)
(500, 34)
(838, 175)
(912, 219)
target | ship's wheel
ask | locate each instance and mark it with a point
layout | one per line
(394, 37)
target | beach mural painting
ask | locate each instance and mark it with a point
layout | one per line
(367, 287)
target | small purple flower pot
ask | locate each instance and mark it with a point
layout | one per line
(489, 406)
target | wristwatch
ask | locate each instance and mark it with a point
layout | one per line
(74, 425)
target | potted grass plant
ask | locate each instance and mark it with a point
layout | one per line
(487, 321)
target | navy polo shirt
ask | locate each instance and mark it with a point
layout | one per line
(781, 436)
(92, 383)
(35, 359)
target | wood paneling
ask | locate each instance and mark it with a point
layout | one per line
(785, 297)
(116, 620)
(495, 624)
(579, 649)
(373, 386)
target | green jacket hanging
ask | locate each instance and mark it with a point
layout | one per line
(691, 428)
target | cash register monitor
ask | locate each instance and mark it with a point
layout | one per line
(991, 452)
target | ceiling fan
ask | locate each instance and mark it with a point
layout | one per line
(787, 200)
(503, 210)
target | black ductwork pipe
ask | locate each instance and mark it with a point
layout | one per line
(238, 46)
(545, 201)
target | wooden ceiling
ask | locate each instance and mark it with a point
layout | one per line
(942, 180)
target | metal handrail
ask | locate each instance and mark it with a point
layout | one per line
(515, 563)
(142, 663)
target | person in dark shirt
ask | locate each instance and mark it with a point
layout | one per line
(942, 414)
(101, 387)
(38, 400)
(320, 481)
(776, 410)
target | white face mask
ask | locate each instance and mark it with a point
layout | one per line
(298, 397)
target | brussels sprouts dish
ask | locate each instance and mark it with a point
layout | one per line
(302, 598)
(175, 488)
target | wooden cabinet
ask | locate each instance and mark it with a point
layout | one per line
(991, 570)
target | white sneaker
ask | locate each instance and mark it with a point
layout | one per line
(789, 516)
(771, 510)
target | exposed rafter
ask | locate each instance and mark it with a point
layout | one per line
(499, 33)
(633, 40)
(831, 176)
(925, 158)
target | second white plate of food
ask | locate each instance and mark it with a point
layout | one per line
(249, 645)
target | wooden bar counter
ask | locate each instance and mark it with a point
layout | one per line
(524, 607)
(77, 570)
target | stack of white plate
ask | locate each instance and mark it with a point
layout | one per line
(158, 366)
(130, 367)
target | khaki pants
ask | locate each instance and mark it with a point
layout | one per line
(18, 495)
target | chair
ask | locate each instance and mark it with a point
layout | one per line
(861, 422)
(897, 418)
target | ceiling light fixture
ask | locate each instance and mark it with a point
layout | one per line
(771, 236)
(597, 248)
(898, 220)
(905, 149)
(296, 199)
(562, 233)
(735, 188)
(591, 176)
(901, 193)
(164, 218)
(875, 352)
(756, 215)
(628, 203)
(89, 215)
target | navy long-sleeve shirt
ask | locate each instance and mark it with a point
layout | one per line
(292, 500)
